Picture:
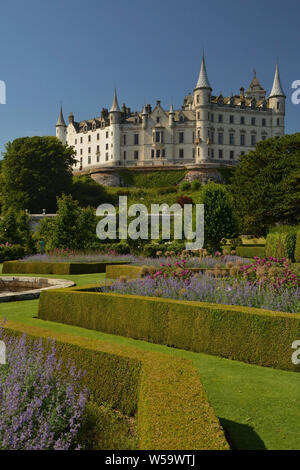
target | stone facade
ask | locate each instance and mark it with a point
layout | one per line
(208, 130)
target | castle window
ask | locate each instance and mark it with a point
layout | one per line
(124, 155)
(89, 150)
(152, 153)
(242, 139)
(278, 105)
(212, 153)
(157, 120)
(81, 140)
(124, 139)
(231, 139)
(198, 98)
(220, 118)
(106, 157)
(89, 138)
(242, 153)
(89, 160)
(193, 137)
(163, 153)
(242, 120)
(136, 139)
(106, 135)
(136, 154)
(193, 152)
(212, 136)
(181, 153)
(75, 141)
(198, 134)
(80, 151)
(181, 137)
(198, 114)
(98, 148)
(98, 158)
(220, 138)
(220, 153)
(181, 119)
(253, 140)
(106, 146)
(198, 151)
(98, 136)
(263, 122)
(231, 154)
(157, 153)
(231, 119)
(278, 122)
(263, 137)
(212, 118)
(253, 121)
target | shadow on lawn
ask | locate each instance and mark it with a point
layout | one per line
(241, 436)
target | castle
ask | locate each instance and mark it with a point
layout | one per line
(208, 131)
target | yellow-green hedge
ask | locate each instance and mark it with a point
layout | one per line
(246, 334)
(40, 267)
(172, 408)
(250, 251)
(134, 272)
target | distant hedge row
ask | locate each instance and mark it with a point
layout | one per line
(39, 267)
(134, 272)
(166, 393)
(245, 334)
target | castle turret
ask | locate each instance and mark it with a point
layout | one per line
(115, 120)
(144, 117)
(171, 116)
(276, 101)
(61, 128)
(202, 98)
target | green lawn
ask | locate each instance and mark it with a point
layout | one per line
(257, 406)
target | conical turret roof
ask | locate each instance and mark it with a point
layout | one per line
(277, 87)
(115, 105)
(203, 81)
(60, 120)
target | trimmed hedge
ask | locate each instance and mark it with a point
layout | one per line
(172, 408)
(251, 335)
(249, 251)
(40, 267)
(134, 272)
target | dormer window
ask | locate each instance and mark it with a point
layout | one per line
(157, 120)
(181, 118)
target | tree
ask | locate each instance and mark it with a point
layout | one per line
(14, 229)
(73, 227)
(266, 185)
(219, 219)
(35, 170)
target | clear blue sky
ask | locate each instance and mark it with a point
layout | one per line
(77, 51)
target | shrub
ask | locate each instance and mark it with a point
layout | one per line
(11, 252)
(281, 242)
(196, 185)
(297, 248)
(249, 251)
(152, 179)
(185, 186)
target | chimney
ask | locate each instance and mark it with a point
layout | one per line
(242, 89)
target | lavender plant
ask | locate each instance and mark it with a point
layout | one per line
(41, 407)
(203, 288)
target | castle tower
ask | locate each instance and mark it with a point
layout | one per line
(115, 120)
(61, 128)
(171, 116)
(276, 101)
(144, 117)
(202, 97)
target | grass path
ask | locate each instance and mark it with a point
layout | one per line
(259, 407)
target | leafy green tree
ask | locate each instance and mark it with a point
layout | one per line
(73, 227)
(35, 170)
(219, 219)
(266, 185)
(14, 229)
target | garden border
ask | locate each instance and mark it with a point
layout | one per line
(41, 267)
